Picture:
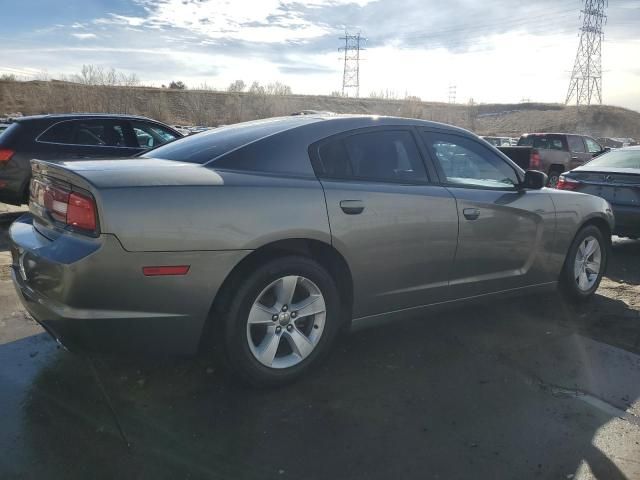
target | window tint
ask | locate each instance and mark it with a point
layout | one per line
(592, 145)
(387, 156)
(58, 133)
(548, 142)
(206, 146)
(86, 132)
(575, 144)
(149, 135)
(467, 163)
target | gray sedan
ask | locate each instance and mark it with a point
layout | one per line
(270, 237)
(614, 176)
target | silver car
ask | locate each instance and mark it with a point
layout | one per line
(270, 237)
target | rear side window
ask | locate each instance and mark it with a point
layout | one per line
(93, 133)
(575, 144)
(384, 156)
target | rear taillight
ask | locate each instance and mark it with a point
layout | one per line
(5, 155)
(73, 209)
(565, 183)
(534, 160)
(81, 212)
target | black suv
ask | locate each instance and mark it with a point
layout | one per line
(71, 137)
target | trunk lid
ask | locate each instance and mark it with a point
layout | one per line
(619, 186)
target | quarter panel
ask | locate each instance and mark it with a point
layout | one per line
(245, 212)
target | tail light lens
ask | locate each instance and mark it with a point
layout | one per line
(534, 161)
(565, 183)
(71, 208)
(5, 155)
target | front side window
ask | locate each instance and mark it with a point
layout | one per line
(149, 135)
(592, 145)
(465, 162)
(385, 156)
(575, 144)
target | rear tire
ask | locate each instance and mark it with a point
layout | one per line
(281, 321)
(584, 264)
(554, 177)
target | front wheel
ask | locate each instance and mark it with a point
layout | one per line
(585, 264)
(282, 320)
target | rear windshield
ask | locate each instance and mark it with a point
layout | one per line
(541, 141)
(206, 146)
(618, 159)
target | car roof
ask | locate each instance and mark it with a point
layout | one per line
(71, 116)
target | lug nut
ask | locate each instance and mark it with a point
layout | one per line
(278, 329)
(316, 327)
(285, 308)
(275, 318)
(289, 327)
(294, 314)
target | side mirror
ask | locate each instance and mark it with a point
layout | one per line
(534, 180)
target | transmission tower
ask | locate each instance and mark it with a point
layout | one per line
(586, 78)
(452, 93)
(351, 72)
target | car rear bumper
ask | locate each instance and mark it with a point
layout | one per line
(627, 220)
(91, 295)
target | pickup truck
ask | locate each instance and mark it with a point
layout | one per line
(553, 153)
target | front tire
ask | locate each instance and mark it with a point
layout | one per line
(585, 264)
(282, 320)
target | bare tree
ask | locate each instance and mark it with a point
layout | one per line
(179, 85)
(237, 86)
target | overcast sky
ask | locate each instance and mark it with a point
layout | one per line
(491, 50)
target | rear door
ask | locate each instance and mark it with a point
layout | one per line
(578, 151)
(86, 138)
(395, 225)
(504, 231)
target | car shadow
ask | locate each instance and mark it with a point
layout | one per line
(455, 395)
(6, 219)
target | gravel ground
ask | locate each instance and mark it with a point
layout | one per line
(529, 387)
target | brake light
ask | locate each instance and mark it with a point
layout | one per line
(81, 212)
(534, 161)
(5, 155)
(565, 183)
(71, 208)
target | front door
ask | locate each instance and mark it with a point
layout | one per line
(505, 232)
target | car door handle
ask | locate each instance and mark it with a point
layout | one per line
(574, 158)
(352, 207)
(471, 213)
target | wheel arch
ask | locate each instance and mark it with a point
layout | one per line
(323, 253)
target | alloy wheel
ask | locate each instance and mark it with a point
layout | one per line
(587, 264)
(286, 322)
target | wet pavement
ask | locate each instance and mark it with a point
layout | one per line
(522, 388)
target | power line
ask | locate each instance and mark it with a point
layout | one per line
(586, 78)
(452, 93)
(351, 72)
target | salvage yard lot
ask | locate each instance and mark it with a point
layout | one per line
(528, 387)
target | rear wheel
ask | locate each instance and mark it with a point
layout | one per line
(585, 264)
(554, 177)
(282, 320)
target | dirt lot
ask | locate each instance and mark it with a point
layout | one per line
(524, 388)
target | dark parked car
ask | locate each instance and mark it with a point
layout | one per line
(615, 177)
(553, 153)
(269, 237)
(71, 137)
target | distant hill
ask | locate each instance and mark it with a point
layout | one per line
(204, 107)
